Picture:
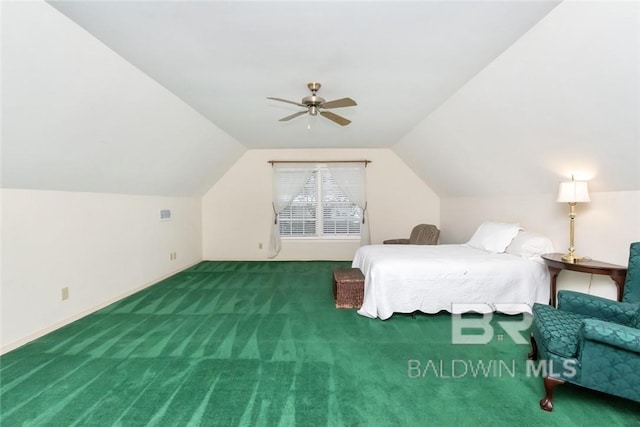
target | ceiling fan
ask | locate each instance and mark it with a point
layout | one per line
(315, 103)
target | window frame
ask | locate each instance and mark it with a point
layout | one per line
(319, 235)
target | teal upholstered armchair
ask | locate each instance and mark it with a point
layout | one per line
(591, 341)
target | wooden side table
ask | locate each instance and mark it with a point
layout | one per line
(555, 265)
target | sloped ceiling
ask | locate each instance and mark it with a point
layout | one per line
(563, 100)
(160, 97)
(77, 117)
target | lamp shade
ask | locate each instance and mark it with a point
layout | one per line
(573, 192)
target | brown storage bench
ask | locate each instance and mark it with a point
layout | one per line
(348, 287)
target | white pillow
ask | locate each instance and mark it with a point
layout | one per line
(530, 245)
(493, 236)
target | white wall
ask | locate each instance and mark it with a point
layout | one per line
(604, 228)
(237, 213)
(101, 246)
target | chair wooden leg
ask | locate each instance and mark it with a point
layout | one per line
(533, 355)
(549, 384)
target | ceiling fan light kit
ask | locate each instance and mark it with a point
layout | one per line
(314, 104)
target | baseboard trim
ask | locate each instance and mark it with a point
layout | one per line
(42, 332)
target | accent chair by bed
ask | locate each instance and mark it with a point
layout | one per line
(591, 341)
(422, 234)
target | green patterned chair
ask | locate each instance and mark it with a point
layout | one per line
(590, 341)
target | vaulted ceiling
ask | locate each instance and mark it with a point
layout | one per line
(399, 61)
(477, 97)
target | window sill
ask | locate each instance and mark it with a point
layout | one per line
(320, 239)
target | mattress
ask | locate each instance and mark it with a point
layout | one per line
(454, 278)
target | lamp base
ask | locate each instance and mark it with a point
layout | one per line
(572, 258)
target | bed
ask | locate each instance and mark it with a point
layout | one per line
(497, 270)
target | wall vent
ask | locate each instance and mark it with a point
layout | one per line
(165, 214)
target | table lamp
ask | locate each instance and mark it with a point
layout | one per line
(572, 192)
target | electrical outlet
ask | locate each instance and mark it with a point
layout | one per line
(173, 256)
(65, 293)
(259, 245)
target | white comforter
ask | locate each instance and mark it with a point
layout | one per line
(430, 278)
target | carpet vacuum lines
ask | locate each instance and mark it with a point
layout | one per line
(254, 343)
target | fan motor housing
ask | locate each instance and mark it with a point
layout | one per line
(312, 100)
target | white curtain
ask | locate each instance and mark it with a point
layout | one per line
(288, 181)
(351, 178)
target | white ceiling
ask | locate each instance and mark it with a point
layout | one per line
(398, 60)
(478, 98)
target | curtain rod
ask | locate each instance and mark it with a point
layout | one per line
(366, 162)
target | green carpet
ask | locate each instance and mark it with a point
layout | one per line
(261, 344)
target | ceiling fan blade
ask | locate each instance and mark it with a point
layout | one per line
(338, 103)
(293, 116)
(287, 101)
(336, 118)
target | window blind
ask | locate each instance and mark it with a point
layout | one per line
(320, 209)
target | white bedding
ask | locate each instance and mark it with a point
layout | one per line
(430, 278)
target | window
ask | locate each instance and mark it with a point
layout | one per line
(321, 209)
